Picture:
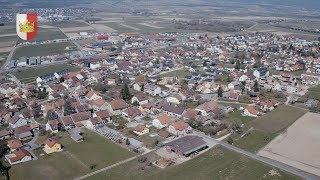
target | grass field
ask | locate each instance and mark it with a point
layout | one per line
(217, 163)
(30, 75)
(8, 38)
(313, 93)
(178, 73)
(96, 150)
(278, 119)
(54, 166)
(236, 116)
(42, 50)
(47, 34)
(3, 57)
(75, 160)
(254, 140)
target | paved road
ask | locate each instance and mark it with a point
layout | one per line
(270, 162)
(230, 102)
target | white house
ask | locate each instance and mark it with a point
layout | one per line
(140, 98)
(162, 121)
(153, 90)
(19, 155)
(16, 121)
(94, 122)
(91, 95)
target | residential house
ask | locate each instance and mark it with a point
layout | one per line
(141, 130)
(179, 128)
(91, 95)
(54, 126)
(51, 146)
(207, 107)
(116, 106)
(131, 113)
(152, 89)
(99, 104)
(251, 111)
(23, 132)
(172, 110)
(14, 144)
(17, 121)
(5, 134)
(67, 122)
(103, 114)
(175, 99)
(19, 155)
(94, 122)
(140, 98)
(190, 114)
(162, 121)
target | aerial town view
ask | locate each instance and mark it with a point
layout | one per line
(166, 90)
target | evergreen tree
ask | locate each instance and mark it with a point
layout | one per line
(125, 93)
(220, 92)
(238, 65)
(256, 86)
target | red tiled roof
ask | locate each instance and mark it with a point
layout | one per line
(164, 119)
(180, 125)
(50, 142)
(19, 154)
(118, 104)
(14, 144)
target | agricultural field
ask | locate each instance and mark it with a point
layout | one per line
(277, 120)
(74, 161)
(217, 163)
(10, 38)
(42, 50)
(289, 147)
(27, 76)
(47, 34)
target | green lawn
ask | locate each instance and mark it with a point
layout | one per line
(313, 93)
(54, 166)
(278, 119)
(96, 150)
(217, 163)
(47, 34)
(30, 75)
(236, 116)
(9, 38)
(75, 160)
(178, 73)
(254, 140)
(42, 50)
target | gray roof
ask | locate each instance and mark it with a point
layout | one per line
(187, 144)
